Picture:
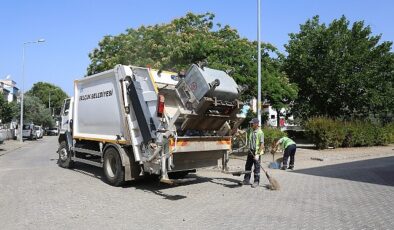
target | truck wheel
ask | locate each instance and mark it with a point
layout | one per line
(64, 160)
(113, 168)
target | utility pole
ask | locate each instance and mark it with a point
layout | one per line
(258, 62)
(23, 83)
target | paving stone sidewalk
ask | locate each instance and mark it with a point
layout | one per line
(356, 192)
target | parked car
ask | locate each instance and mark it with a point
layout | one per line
(29, 132)
(39, 130)
(52, 132)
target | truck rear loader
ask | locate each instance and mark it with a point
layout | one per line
(135, 121)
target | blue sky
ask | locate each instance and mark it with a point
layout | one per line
(73, 28)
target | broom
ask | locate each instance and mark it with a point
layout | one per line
(274, 185)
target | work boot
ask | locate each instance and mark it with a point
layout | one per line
(245, 182)
(255, 184)
(291, 167)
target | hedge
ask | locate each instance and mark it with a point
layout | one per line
(270, 134)
(326, 132)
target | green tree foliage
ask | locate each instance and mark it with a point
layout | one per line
(278, 92)
(6, 113)
(45, 92)
(341, 70)
(183, 41)
(36, 112)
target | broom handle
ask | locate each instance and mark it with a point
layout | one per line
(260, 163)
(263, 169)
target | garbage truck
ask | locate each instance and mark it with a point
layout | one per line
(137, 121)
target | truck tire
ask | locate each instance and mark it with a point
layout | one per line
(64, 160)
(113, 168)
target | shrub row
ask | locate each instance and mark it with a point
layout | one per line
(325, 132)
(270, 134)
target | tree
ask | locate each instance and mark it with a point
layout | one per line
(278, 92)
(5, 110)
(35, 111)
(183, 41)
(49, 95)
(342, 71)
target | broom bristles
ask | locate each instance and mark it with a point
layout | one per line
(274, 184)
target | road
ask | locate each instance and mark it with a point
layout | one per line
(37, 194)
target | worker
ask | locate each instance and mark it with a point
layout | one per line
(255, 145)
(289, 147)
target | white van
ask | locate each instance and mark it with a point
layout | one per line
(29, 132)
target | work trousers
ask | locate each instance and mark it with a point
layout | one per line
(289, 152)
(250, 161)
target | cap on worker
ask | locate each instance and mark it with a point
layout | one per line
(254, 121)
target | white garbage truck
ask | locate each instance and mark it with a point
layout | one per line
(135, 121)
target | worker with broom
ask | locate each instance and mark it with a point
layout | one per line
(289, 147)
(255, 145)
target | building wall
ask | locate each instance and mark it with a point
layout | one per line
(9, 90)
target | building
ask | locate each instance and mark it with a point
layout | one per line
(9, 90)
(272, 116)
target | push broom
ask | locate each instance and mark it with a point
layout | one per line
(274, 185)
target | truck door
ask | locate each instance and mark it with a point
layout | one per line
(66, 115)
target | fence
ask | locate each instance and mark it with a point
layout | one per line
(8, 131)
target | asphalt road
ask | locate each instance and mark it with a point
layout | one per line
(37, 194)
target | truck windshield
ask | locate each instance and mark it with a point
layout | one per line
(66, 107)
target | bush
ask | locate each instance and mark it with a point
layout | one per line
(326, 132)
(270, 134)
(389, 132)
(362, 133)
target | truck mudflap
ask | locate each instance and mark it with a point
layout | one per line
(198, 152)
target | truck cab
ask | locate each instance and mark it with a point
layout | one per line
(66, 115)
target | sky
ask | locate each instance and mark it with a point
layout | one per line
(73, 28)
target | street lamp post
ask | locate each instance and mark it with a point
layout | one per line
(23, 82)
(258, 62)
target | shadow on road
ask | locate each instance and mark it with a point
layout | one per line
(89, 170)
(152, 184)
(376, 171)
